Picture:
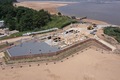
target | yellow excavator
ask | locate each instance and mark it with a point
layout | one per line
(90, 27)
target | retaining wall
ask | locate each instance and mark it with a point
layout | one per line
(85, 43)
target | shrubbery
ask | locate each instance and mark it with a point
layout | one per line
(113, 31)
(21, 18)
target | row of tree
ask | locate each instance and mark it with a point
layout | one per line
(6, 2)
(21, 18)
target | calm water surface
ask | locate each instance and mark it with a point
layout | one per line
(109, 12)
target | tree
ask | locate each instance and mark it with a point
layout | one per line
(59, 13)
(21, 18)
(10, 22)
(41, 18)
(73, 17)
(7, 2)
(26, 22)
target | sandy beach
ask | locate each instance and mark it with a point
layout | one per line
(48, 6)
(95, 21)
(88, 65)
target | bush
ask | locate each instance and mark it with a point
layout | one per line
(59, 22)
(113, 31)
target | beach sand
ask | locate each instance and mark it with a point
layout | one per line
(95, 21)
(88, 65)
(46, 5)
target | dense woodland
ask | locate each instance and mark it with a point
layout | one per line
(21, 18)
(25, 19)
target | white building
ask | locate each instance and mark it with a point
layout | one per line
(1, 23)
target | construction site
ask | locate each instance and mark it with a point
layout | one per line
(57, 45)
(85, 50)
(78, 48)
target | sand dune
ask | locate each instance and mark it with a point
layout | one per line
(89, 65)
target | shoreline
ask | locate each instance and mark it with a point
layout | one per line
(53, 8)
(38, 5)
(99, 22)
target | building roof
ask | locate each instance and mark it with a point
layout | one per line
(31, 47)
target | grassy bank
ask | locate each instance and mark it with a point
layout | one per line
(12, 35)
(59, 22)
(113, 31)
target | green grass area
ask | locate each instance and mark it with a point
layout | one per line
(113, 31)
(59, 22)
(12, 35)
